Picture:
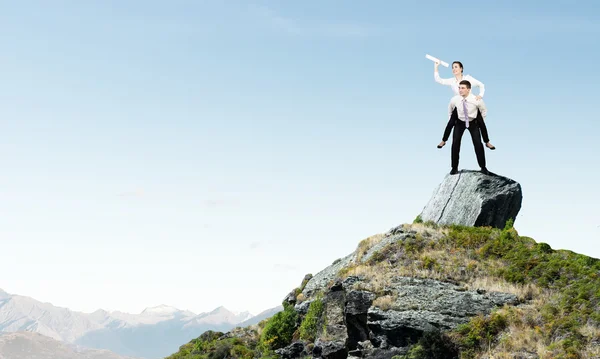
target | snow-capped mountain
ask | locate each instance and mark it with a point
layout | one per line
(243, 315)
(218, 316)
(19, 313)
(154, 333)
(260, 316)
(160, 310)
(28, 345)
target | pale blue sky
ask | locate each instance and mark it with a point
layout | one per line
(194, 153)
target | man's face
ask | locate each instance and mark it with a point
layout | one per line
(463, 90)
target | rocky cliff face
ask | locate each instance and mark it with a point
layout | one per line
(355, 325)
(471, 198)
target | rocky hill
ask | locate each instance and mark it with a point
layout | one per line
(435, 289)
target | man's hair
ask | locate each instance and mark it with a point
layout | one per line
(465, 82)
(459, 64)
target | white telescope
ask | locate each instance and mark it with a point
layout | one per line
(445, 64)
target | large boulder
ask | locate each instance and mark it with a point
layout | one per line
(471, 198)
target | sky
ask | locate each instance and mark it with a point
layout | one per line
(207, 153)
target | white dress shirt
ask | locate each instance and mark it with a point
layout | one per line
(473, 104)
(453, 83)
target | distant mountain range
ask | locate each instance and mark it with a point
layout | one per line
(154, 333)
(28, 345)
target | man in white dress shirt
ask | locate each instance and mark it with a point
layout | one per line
(466, 105)
(457, 70)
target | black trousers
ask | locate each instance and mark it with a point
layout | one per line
(459, 129)
(452, 122)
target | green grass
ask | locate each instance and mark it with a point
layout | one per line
(207, 346)
(309, 327)
(573, 278)
(279, 329)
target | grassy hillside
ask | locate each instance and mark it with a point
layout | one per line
(559, 290)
